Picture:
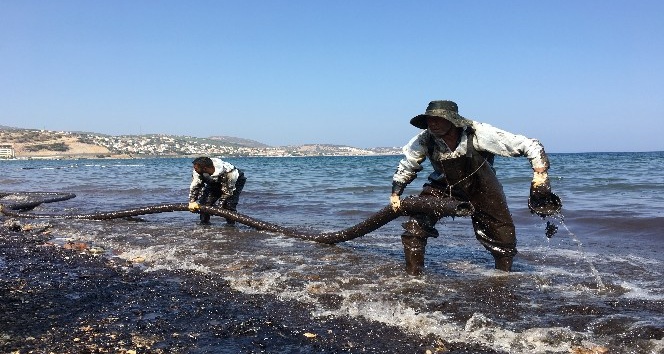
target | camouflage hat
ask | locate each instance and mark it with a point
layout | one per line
(445, 109)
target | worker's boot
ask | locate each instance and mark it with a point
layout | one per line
(205, 218)
(414, 240)
(504, 263)
(413, 248)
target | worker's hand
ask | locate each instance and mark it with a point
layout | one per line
(541, 182)
(194, 207)
(395, 202)
(542, 201)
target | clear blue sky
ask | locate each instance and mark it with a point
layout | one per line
(578, 75)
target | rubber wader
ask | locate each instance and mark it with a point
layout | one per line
(468, 178)
(212, 192)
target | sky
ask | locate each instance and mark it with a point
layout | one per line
(578, 75)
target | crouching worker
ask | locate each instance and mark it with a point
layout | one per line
(212, 180)
(461, 152)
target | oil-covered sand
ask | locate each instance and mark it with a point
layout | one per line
(69, 300)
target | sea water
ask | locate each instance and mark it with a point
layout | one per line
(598, 282)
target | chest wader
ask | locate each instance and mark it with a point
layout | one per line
(231, 202)
(467, 178)
(212, 192)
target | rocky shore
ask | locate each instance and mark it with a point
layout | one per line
(56, 299)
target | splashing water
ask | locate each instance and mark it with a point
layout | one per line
(551, 229)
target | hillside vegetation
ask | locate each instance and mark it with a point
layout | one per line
(30, 143)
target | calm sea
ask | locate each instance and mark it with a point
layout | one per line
(597, 282)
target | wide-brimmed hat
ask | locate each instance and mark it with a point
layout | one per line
(445, 109)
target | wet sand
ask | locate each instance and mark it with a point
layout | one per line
(64, 300)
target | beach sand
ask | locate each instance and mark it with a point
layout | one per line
(69, 300)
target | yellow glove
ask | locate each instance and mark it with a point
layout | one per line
(540, 184)
(194, 207)
(395, 201)
(540, 178)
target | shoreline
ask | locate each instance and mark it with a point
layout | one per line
(67, 299)
(122, 157)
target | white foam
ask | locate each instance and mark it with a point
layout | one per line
(161, 257)
(479, 329)
(638, 292)
(269, 282)
(657, 345)
(645, 290)
(648, 265)
(364, 301)
(281, 242)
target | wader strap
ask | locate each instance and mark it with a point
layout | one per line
(470, 149)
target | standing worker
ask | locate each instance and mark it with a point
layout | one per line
(461, 152)
(214, 179)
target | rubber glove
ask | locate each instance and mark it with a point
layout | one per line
(395, 201)
(541, 179)
(542, 201)
(194, 207)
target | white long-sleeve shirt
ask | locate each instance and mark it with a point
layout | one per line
(486, 138)
(224, 174)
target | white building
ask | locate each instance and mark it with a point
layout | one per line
(7, 151)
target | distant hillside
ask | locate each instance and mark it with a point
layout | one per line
(34, 143)
(29, 143)
(233, 141)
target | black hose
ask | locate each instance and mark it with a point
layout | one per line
(439, 207)
(29, 200)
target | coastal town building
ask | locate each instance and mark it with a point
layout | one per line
(7, 151)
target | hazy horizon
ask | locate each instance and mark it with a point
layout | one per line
(322, 143)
